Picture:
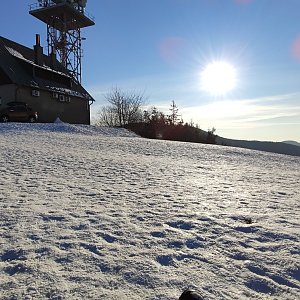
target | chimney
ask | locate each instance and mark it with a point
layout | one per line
(53, 61)
(38, 50)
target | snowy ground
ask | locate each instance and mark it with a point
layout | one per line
(95, 213)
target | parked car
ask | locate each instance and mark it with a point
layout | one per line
(18, 112)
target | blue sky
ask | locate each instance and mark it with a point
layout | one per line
(159, 47)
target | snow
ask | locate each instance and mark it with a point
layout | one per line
(69, 92)
(17, 54)
(52, 88)
(98, 213)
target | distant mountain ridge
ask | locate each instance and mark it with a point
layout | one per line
(275, 147)
(292, 143)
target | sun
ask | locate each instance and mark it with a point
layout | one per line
(218, 78)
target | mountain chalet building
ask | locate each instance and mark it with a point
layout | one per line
(29, 76)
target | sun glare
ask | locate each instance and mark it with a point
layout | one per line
(218, 78)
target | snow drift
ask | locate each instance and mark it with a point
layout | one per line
(96, 213)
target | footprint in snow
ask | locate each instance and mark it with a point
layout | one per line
(53, 218)
(108, 238)
(193, 244)
(10, 255)
(158, 234)
(175, 244)
(165, 260)
(80, 227)
(19, 268)
(181, 225)
(246, 229)
(260, 286)
(92, 248)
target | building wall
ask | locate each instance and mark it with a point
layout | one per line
(73, 110)
(7, 94)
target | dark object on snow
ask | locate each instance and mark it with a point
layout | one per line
(248, 220)
(190, 295)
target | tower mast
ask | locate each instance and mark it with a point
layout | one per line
(64, 20)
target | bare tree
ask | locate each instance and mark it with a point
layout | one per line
(107, 117)
(124, 108)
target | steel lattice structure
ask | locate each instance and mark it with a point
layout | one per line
(64, 19)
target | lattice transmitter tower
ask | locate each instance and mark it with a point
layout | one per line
(64, 19)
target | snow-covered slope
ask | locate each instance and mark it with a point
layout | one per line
(90, 213)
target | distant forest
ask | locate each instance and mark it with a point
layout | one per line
(125, 110)
(159, 126)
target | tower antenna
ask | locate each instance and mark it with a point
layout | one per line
(64, 20)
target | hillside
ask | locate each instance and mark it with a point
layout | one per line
(188, 133)
(274, 147)
(292, 143)
(99, 213)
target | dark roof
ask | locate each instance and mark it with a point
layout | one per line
(17, 66)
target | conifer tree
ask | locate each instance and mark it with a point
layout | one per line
(173, 117)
